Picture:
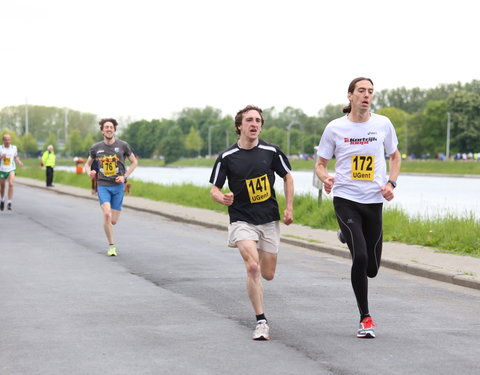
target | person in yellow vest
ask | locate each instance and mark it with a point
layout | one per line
(48, 159)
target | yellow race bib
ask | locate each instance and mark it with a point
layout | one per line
(258, 189)
(363, 167)
(109, 168)
(6, 161)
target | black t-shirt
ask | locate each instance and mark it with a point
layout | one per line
(251, 176)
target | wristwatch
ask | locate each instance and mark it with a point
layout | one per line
(393, 183)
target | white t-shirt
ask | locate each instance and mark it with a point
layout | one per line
(7, 164)
(359, 149)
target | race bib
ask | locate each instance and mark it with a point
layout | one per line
(258, 189)
(363, 167)
(6, 161)
(109, 168)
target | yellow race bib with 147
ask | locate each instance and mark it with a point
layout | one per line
(259, 189)
(363, 167)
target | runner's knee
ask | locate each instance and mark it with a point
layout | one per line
(253, 269)
(107, 216)
(360, 261)
(372, 271)
(268, 275)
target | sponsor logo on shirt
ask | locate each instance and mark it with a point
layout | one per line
(359, 141)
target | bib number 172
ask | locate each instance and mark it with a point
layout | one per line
(363, 167)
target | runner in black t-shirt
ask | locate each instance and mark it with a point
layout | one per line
(250, 166)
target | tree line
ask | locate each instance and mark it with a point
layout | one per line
(419, 115)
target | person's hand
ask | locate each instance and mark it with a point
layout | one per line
(287, 217)
(328, 184)
(92, 174)
(227, 199)
(20, 163)
(120, 179)
(387, 192)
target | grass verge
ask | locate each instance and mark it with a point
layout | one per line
(450, 234)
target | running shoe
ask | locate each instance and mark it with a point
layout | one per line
(365, 330)
(340, 236)
(2, 205)
(261, 332)
(9, 206)
(112, 251)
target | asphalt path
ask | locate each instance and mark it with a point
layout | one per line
(174, 302)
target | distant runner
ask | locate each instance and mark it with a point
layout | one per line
(112, 174)
(8, 158)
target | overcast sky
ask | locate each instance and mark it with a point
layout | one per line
(152, 58)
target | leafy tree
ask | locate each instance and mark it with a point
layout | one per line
(433, 129)
(465, 115)
(172, 146)
(193, 141)
(42, 121)
(10, 119)
(75, 145)
(276, 136)
(399, 120)
(201, 118)
(409, 100)
(88, 142)
(29, 145)
(144, 136)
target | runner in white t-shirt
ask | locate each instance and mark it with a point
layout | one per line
(8, 160)
(359, 141)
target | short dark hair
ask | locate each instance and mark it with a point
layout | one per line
(104, 120)
(239, 116)
(351, 89)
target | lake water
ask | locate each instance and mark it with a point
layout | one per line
(423, 196)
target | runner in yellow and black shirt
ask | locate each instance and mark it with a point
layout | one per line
(110, 154)
(250, 166)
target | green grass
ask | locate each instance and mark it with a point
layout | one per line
(451, 234)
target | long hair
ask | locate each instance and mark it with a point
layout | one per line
(351, 89)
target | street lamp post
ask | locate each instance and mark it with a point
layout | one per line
(447, 151)
(26, 115)
(288, 134)
(210, 140)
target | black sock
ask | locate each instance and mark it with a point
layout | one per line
(363, 316)
(261, 317)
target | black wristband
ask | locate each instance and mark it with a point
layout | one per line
(393, 183)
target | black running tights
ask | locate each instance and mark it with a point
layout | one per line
(361, 226)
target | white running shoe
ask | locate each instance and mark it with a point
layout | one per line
(365, 330)
(261, 332)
